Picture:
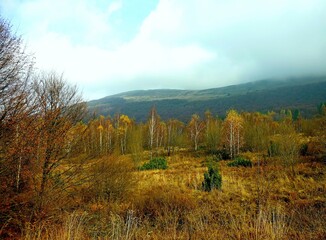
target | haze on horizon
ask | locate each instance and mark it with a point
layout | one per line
(108, 47)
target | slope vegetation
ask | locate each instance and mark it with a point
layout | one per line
(303, 94)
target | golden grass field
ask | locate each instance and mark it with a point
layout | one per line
(265, 201)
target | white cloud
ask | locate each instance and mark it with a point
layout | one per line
(114, 6)
(181, 44)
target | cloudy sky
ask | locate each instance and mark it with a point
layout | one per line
(111, 46)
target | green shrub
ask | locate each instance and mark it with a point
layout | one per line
(155, 163)
(212, 179)
(220, 154)
(240, 162)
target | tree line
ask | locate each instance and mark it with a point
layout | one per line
(236, 133)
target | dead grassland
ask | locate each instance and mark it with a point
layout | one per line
(265, 201)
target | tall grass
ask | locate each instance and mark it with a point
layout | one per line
(261, 202)
(71, 228)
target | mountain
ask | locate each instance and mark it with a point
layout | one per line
(303, 94)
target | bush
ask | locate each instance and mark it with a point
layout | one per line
(238, 162)
(165, 205)
(155, 163)
(212, 179)
(221, 154)
(110, 178)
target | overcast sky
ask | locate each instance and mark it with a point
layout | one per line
(107, 47)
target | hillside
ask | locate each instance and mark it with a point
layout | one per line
(265, 95)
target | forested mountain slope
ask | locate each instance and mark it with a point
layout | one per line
(303, 94)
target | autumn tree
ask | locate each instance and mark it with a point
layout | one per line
(60, 107)
(135, 145)
(288, 145)
(124, 126)
(15, 70)
(174, 131)
(196, 127)
(160, 135)
(152, 123)
(109, 133)
(100, 129)
(213, 131)
(257, 131)
(16, 108)
(76, 144)
(233, 132)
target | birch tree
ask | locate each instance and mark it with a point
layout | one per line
(152, 123)
(233, 132)
(196, 127)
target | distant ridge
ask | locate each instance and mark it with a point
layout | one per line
(303, 94)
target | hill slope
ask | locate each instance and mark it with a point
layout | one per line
(265, 95)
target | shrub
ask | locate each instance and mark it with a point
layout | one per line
(212, 179)
(164, 205)
(109, 178)
(221, 154)
(238, 162)
(155, 163)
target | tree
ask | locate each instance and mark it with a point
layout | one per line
(100, 129)
(135, 145)
(322, 109)
(196, 127)
(15, 70)
(109, 129)
(233, 132)
(212, 131)
(125, 123)
(153, 123)
(174, 131)
(257, 131)
(288, 145)
(16, 123)
(60, 107)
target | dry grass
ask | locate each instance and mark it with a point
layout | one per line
(264, 202)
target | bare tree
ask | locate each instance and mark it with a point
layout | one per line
(16, 108)
(59, 107)
(15, 70)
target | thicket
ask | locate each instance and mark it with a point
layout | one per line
(240, 162)
(155, 163)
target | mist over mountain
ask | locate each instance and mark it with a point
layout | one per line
(303, 94)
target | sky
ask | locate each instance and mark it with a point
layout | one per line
(111, 46)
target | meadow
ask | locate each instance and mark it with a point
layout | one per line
(264, 201)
